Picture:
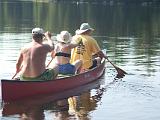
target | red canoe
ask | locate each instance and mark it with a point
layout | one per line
(13, 90)
(20, 107)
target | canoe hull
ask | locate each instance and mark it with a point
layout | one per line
(13, 90)
(19, 107)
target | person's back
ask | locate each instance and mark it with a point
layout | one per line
(31, 61)
(88, 48)
(35, 57)
(62, 54)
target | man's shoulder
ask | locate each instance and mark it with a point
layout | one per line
(46, 46)
(76, 38)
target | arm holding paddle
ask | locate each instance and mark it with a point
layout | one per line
(99, 54)
(120, 73)
(53, 56)
(18, 65)
(49, 40)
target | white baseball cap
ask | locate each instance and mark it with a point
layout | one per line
(37, 31)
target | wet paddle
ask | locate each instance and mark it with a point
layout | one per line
(121, 73)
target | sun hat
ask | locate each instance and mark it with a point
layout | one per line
(64, 36)
(37, 31)
(83, 28)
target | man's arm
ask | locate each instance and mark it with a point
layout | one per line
(49, 40)
(73, 44)
(19, 63)
(100, 54)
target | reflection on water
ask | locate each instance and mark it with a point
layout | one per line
(130, 35)
(74, 103)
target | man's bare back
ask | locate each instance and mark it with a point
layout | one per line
(31, 62)
(34, 67)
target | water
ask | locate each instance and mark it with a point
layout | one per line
(130, 35)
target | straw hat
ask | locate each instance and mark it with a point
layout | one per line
(64, 36)
(83, 28)
(37, 31)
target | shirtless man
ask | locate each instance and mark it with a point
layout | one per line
(31, 61)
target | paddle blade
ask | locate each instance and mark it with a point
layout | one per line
(121, 73)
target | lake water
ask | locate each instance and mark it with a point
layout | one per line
(129, 33)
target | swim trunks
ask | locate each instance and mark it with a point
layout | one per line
(49, 74)
(67, 69)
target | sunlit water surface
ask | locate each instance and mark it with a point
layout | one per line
(136, 96)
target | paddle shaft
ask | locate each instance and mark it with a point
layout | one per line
(111, 62)
(120, 72)
(16, 73)
(50, 62)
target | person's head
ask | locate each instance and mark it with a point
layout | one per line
(37, 34)
(64, 37)
(84, 28)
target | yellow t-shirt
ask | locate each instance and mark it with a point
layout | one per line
(87, 47)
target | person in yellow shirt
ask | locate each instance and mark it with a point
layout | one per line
(88, 49)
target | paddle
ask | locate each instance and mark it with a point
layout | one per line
(50, 62)
(16, 73)
(121, 73)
